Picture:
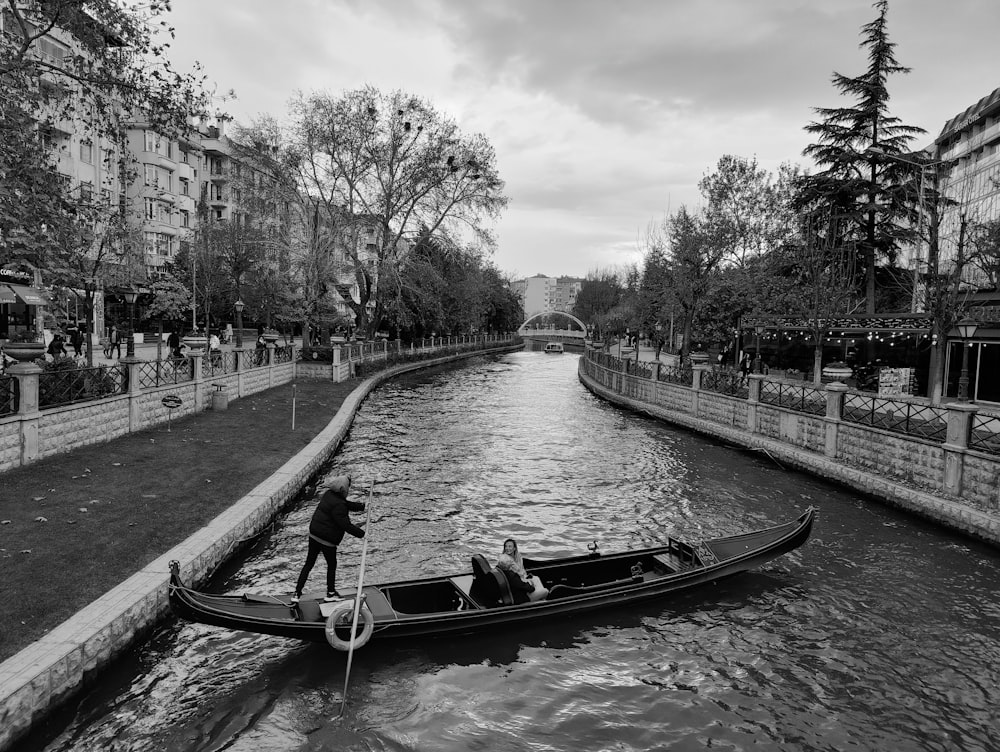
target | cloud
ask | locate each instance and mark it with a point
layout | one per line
(604, 115)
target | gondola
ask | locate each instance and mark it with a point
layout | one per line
(481, 598)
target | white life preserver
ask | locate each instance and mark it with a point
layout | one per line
(335, 620)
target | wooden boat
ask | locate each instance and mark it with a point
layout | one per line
(554, 347)
(481, 598)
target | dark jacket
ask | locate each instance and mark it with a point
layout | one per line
(330, 520)
(519, 589)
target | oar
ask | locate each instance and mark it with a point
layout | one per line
(357, 598)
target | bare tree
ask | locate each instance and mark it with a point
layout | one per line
(389, 171)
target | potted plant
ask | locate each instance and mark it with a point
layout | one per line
(25, 345)
(838, 371)
(195, 340)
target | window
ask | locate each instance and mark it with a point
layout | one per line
(152, 141)
(87, 152)
(185, 218)
(51, 51)
(151, 175)
(159, 244)
(86, 192)
(157, 210)
(185, 187)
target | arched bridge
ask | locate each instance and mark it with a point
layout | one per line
(554, 326)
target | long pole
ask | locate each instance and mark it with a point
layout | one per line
(357, 599)
(293, 405)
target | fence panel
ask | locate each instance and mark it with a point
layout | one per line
(8, 395)
(255, 358)
(218, 363)
(283, 353)
(800, 398)
(81, 384)
(923, 421)
(169, 371)
(725, 382)
(984, 433)
(682, 375)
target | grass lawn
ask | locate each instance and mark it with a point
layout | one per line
(76, 525)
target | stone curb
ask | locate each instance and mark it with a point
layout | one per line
(35, 681)
(945, 512)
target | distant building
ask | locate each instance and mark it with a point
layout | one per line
(540, 294)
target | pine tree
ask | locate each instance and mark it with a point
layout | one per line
(854, 146)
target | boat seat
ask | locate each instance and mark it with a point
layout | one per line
(489, 587)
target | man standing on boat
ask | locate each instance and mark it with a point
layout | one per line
(326, 530)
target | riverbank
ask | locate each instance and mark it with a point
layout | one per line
(981, 522)
(260, 465)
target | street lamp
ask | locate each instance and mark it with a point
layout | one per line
(758, 330)
(130, 296)
(966, 328)
(239, 306)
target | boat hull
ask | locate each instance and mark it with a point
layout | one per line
(577, 585)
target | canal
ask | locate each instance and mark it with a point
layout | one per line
(883, 632)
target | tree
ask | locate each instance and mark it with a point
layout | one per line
(693, 257)
(301, 260)
(819, 267)
(851, 144)
(86, 68)
(747, 209)
(600, 294)
(388, 170)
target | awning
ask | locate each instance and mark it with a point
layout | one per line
(29, 295)
(7, 295)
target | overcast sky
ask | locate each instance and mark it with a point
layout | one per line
(604, 113)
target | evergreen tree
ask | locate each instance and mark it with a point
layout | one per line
(854, 146)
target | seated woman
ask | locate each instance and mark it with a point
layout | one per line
(511, 564)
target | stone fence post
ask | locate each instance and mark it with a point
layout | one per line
(697, 373)
(835, 392)
(134, 365)
(197, 378)
(753, 401)
(956, 444)
(27, 408)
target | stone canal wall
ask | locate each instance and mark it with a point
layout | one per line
(30, 431)
(942, 463)
(49, 672)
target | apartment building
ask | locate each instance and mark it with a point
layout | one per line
(968, 150)
(163, 192)
(540, 294)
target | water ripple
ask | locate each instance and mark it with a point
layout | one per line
(883, 633)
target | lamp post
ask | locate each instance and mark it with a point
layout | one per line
(130, 296)
(966, 328)
(239, 306)
(758, 330)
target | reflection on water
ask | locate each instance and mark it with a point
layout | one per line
(881, 633)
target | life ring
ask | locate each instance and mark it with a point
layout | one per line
(335, 621)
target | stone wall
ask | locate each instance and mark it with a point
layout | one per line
(947, 482)
(82, 424)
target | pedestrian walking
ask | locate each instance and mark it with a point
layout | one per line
(114, 342)
(76, 340)
(174, 344)
(745, 369)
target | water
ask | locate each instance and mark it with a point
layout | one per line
(882, 633)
